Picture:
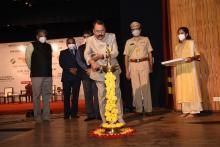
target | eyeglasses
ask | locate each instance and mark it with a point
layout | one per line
(134, 29)
(85, 36)
(99, 31)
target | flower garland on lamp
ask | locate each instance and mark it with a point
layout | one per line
(111, 111)
(112, 128)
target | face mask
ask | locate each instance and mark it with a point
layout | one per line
(136, 32)
(85, 36)
(71, 46)
(42, 39)
(182, 37)
(84, 42)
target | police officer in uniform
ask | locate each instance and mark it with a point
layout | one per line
(138, 64)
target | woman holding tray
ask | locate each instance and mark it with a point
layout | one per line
(188, 91)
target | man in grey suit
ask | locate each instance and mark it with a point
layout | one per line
(95, 55)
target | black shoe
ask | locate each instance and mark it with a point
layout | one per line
(66, 117)
(89, 118)
(46, 121)
(75, 116)
(139, 113)
(99, 118)
(148, 113)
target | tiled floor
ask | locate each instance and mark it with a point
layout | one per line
(159, 130)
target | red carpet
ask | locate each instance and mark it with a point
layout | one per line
(21, 108)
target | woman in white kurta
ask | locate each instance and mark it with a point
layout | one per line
(188, 91)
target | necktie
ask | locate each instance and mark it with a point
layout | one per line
(72, 51)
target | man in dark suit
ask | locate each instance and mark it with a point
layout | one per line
(89, 85)
(70, 79)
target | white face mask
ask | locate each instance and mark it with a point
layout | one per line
(84, 42)
(85, 36)
(71, 46)
(42, 39)
(136, 32)
(182, 37)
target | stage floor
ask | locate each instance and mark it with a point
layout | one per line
(163, 129)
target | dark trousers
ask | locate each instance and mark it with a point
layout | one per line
(91, 98)
(71, 88)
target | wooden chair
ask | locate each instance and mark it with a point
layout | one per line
(54, 93)
(8, 92)
(26, 95)
(2, 96)
(60, 93)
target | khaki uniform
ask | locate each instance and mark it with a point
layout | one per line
(139, 72)
(94, 46)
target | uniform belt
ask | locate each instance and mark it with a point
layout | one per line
(139, 60)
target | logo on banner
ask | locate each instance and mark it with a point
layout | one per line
(12, 61)
(6, 78)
